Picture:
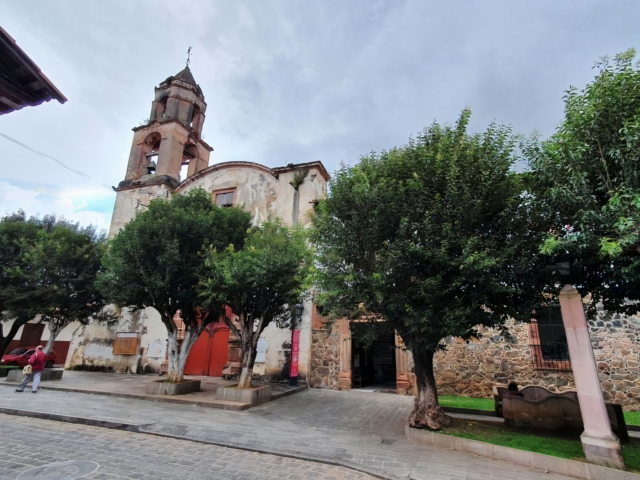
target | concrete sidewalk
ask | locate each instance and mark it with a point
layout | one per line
(350, 429)
(135, 386)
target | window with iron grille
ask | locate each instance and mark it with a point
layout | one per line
(548, 340)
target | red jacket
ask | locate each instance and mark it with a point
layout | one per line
(37, 361)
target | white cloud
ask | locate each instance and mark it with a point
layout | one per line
(79, 205)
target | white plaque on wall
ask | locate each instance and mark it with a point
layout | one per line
(157, 349)
(261, 354)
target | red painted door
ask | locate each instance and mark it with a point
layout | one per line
(209, 354)
(219, 351)
(198, 360)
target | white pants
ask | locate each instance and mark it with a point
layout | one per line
(35, 376)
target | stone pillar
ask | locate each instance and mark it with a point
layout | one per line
(601, 446)
(344, 376)
(402, 368)
(170, 157)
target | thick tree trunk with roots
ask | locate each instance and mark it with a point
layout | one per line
(426, 412)
(178, 354)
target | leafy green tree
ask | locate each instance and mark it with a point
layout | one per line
(432, 238)
(259, 282)
(587, 180)
(65, 263)
(48, 267)
(156, 260)
(21, 298)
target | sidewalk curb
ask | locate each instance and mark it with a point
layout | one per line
(140, 428)
(236, 406)
(91, 422)
(533, 460)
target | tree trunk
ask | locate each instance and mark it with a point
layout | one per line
(248, 359)
(426, 412)
(54, 331)
(178, 355)
(17, 323)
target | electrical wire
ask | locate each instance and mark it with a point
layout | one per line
(64, 165)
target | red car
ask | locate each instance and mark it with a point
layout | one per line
(20, 357)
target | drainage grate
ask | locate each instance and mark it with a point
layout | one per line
(387, 441)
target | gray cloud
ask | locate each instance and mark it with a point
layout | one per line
(290, 81)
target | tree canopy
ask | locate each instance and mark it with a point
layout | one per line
(66, 262)
(259, 282)
(47, 267)
(430, 237)
(586, 178)
(157, 258)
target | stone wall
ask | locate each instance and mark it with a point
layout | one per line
(325, 357)
(470, 369)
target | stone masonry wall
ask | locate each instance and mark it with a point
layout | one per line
(471, 369)
(325, 358)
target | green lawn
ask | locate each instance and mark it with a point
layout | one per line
(548, 444)
(466, 402)
(632, 418)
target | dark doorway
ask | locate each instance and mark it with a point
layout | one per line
(374, 366)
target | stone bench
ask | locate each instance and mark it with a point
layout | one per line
(17, 376)
(530, 392)
(555, 412)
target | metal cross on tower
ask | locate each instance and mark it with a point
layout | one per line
(188, 56)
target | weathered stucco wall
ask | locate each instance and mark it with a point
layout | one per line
(92, 345)
(262, 194)
(279, 348)
(126, 208)
(65, 335)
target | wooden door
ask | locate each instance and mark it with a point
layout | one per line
(219, 351)
(31, 334)
(198, 360)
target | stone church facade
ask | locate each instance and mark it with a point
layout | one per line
(168, 157)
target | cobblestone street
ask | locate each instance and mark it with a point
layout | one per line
(355, 429)
(28, 443)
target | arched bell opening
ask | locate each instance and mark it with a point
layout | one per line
(150, 151)
(189, 154)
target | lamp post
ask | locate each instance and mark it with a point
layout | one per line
(601, 446)
(295, 345)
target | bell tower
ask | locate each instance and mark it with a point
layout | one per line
(169, 148)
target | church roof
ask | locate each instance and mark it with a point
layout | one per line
(186, 76)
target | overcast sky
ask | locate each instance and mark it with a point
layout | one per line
(287, 81)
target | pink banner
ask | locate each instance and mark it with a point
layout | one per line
(295, 352)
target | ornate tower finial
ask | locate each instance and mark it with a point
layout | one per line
(188, 56)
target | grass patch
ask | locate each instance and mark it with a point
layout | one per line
(547, 443)
(467, 402)
(632, 418)
(631, 454)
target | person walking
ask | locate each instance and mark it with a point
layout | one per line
(37, 361)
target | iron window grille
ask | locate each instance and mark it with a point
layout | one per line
(548, 341)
